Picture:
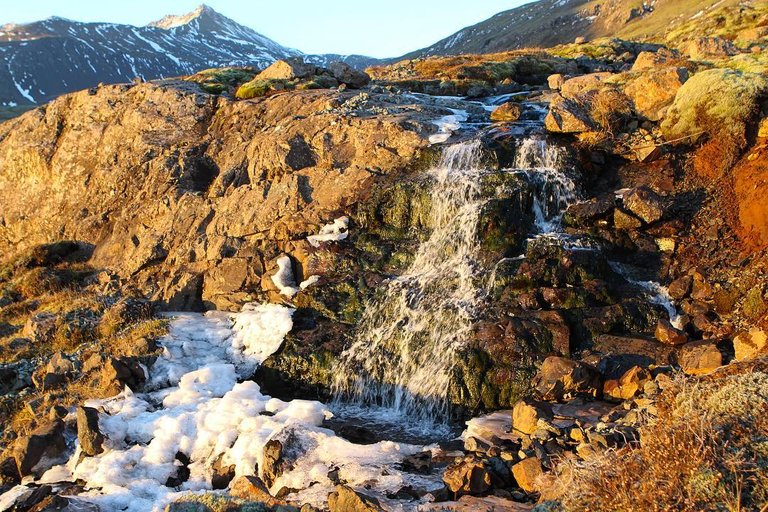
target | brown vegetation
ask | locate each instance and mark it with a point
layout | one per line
(705, 451)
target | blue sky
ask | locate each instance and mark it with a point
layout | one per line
(381, 29)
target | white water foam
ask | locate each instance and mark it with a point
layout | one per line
(409, 335)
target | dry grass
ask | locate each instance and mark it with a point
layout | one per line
(706, 451)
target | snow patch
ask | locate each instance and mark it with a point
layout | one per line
(447, 125)
(283, 278)
(333, 232)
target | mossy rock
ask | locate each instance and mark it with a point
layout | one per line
(697, 110)
(257, 88)
(220, 80)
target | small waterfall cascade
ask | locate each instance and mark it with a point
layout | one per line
(404, 351)
(402, 358)
(555, 191)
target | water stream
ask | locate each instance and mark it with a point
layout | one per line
(398, 370)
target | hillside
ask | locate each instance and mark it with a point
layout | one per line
(47, 58)
(550, 22)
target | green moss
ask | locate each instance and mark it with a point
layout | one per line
(257, 88)
(220, 80)
(754, 305)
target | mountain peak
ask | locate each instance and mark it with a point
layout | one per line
(173, 21)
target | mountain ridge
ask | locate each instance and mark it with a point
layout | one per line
(547, 23)
(86, 54)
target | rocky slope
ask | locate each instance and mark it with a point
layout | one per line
(550, 22)
(47, 58)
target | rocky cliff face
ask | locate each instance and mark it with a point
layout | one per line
(191, 197)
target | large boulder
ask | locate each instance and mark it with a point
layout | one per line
(288, 69)
(527, 473)
(559, 378)
(567, 116)
(508, 112)
(346, 74)
(650, 60)
(468, 476)
(654, 91)
(703, 48)
(527, 415)
(700, 357)
(628, 385)
(697, 111)
(645, 204)
(47, 440)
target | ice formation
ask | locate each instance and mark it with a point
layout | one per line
(333, 232)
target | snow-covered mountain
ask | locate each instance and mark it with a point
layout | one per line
(44, 59)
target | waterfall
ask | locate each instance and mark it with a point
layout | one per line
(543, 163)
(404, 350)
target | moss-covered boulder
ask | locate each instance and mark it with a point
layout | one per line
(715, 102)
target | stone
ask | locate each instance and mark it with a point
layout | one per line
(651, 352)
(574, 88)
(559, 378)
(418, 463)
(88, 434)
(555, 81)
(508, 112)
(40, 327)
(680, 288)
(346, 499)
(467, 476)
(580, 40)
(48, 440)
(566, 116)
(178, 245)
(762, 128)
(288, 69)
(221, 474)
(624, 220)
(701, 290)
(526, 472)
(650, 60)
(700, 357)
(272, 461)
(346, 74)
(587, 213)
(251, 488)
(645, 204)
(652, 92)
(121, 372)
(707, 47)
(647, 152)
(527, 413)
(666, 333)
(628, 385)
(751, 344)
(477, 504)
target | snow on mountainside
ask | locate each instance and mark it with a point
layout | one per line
(44, 59)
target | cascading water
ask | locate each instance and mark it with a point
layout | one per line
(543, 163)
(402, 357)
(401, 360)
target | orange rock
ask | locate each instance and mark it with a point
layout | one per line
(526, 472)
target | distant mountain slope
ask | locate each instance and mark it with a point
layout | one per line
(41, 60)
(550, 22)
